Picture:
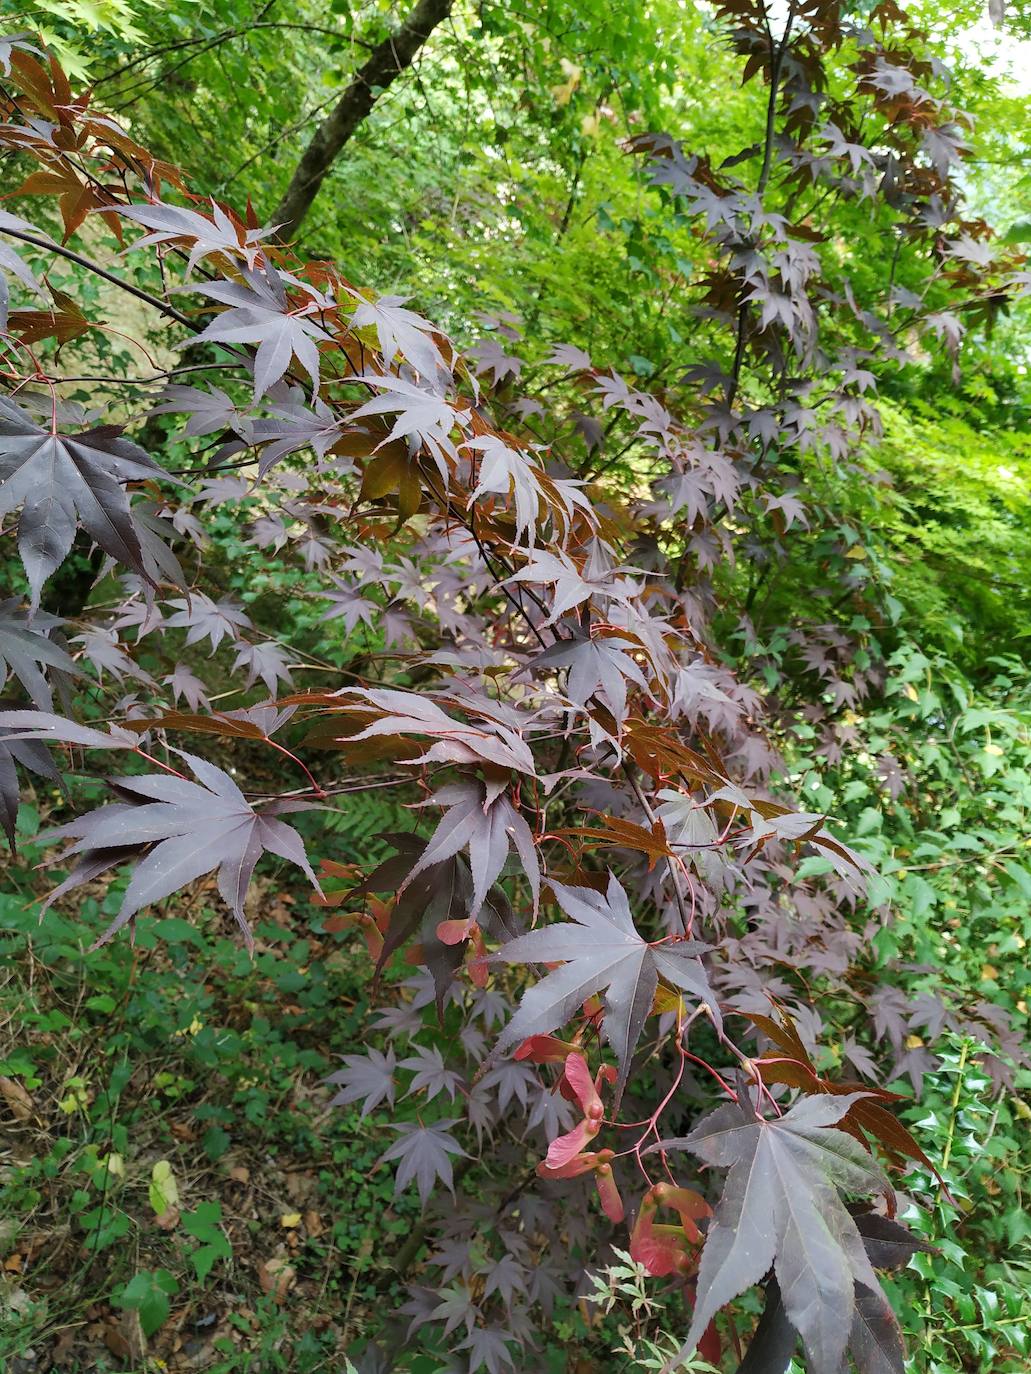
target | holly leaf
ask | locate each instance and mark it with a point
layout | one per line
(781, 1208)
(180, 830)
(602, 953)
(425, 1154)
(60, 481)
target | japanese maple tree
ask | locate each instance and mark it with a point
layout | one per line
(607, 903)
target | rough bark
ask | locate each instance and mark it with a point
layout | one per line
(386, 62)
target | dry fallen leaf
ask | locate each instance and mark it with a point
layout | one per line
(290, 1220)
(16, 1098)
(276, 1277)
(168, 1220)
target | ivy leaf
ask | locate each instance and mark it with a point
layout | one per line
(781, 1207)
(62, 480)
(181, 830)
(425, 1155)
(602, 953)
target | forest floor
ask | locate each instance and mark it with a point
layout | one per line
(176, 1192)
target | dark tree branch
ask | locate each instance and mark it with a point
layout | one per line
(387, 61)
(50, 247)
(777, 54)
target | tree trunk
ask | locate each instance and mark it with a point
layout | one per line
(386, 62)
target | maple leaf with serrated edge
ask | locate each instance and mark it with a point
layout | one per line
(269, 661)
(430, 1074)
(602, 953)
(488, 1349)
(486, 825)
(401, 331)
(186, 684)
(259, 312)
(33, 757)
(599, 665)
(781, 1208)
(60, 481)
(214, 233)
(409, 713)
(179, 830)
(365, 1078)
(51, 729)
(509, 472)
(875, 1341)
(424, 419)
(26, 649)
(11, 262)
(203, 618)
(424, 1155)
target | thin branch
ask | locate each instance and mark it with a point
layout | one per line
(158, 304)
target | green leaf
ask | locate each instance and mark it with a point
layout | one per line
(215, 1142)
(163, 1191)
(204, 1257)
(147, 1293)
(203, 1223)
